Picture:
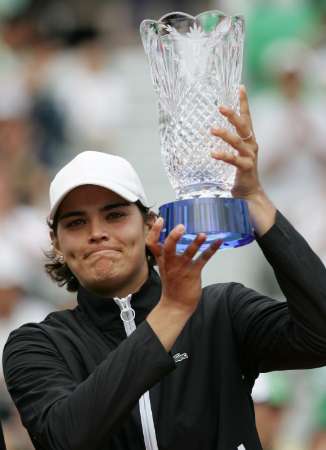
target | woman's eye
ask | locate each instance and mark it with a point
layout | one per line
(75, 223)
(115, 215)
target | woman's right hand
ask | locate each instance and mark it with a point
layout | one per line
(180, 273)
(181, 281)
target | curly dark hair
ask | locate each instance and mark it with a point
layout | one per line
(60, 272)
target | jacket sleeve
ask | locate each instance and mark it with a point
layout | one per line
(275, 335)
(63, 415)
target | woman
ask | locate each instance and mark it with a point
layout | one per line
(182, 377)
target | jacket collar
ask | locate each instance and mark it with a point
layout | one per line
(104, 312)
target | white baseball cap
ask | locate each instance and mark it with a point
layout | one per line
(100, 169)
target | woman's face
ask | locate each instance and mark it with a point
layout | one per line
(102, 239)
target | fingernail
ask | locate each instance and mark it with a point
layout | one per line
(181, 228)
(159, 221)
(223, 108)
(217, 153)
(215, 130)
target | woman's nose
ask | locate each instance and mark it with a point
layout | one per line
(98, 230)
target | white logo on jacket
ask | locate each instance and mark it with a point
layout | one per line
(178, 357)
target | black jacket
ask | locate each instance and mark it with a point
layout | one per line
(76, 379)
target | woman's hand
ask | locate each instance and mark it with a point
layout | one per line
(181, 281)
(246, 180)
(246, 185)
(180, 273)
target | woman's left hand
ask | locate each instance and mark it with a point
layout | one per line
(246, 183)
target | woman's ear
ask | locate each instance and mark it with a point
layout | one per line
(56, 248)
(54, 241)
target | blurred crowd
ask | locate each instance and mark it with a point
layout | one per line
(62, 90)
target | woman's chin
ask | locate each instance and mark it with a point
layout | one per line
(104, 281)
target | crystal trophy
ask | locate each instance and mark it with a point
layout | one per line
(196, 65)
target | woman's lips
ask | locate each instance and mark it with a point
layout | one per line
(102, 250)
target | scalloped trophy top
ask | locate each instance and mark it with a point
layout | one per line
(195, 65)
(183, 25)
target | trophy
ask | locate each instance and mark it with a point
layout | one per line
(196, 65)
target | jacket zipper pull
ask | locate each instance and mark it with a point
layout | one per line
(127, 313)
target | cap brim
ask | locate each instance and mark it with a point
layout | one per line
(114, 187)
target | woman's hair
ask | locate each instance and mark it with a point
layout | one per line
(60, 272)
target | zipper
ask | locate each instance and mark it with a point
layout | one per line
(127, 315)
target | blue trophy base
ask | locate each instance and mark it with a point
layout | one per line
(218, 218)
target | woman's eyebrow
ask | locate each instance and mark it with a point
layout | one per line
(70, 214)
(114, 205)
(107, 207)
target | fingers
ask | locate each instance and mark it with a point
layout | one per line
(170, 243)
(193, 248)
(242, 122)
(244, 105)
(245, 160)
(234, 140)
(168, 249)
(241, 162)
(153, 236)
(207, 254)
(244, 142)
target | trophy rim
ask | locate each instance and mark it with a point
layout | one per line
(147, 24)
(190, 16)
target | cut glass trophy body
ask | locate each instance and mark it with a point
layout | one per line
(196, 65)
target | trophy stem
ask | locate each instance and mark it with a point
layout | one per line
(219, 218)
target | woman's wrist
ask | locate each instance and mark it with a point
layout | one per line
(262, 212)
